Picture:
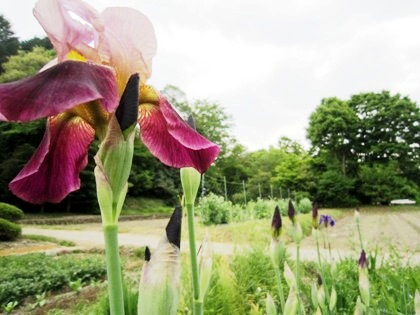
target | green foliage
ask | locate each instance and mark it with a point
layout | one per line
(304, 205)
(25, 63)
(261, 208)
(9, 231)
(335, 189)
(30, 44)
(214, 209)
(28, 275)
(10, 212)
(254, 275)
(382, 183)
(8, 43)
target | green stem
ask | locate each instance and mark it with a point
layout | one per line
(198, 305)
(280, 288)
(297, 278)
(115, 284)
(360, 235)
(321, 270)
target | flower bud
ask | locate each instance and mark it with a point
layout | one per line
(113, 166)
(291, 212)
(276, 224)
(128, 108)
(359, 309)
(205, 263)
(333, 299)
(417, 301)
(314, 295)
(321, 292)
(289, 276)
(277, 253)
(315, 215)
(159, 289)
(292, 302)
(190, 179)
(270, 305)
(363, 279)
(297, 232)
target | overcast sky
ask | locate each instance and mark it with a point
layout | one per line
(269, 63)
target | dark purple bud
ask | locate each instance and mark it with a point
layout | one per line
(173, 229)
(276, 223)
(315, 210)
(332, 222)
(128, 108)
(147, 254)
(291, 212)
(319, 279)
(362, 259)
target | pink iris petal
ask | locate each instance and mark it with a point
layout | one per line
(66, 33)
(131, 41)
(53, 171)
(173, 141)
(56, 90)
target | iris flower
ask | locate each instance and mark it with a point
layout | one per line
(80, 90)
(327, 220)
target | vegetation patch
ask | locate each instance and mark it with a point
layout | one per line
(28, 275)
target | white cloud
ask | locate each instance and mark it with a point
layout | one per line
(269, 63)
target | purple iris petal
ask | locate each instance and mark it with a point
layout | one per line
(53, 171)
(56, 90)
(173, 141)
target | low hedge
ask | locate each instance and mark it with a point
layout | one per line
(10, 212)
(9, 231)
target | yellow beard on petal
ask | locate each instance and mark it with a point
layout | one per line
(149, 100)
(74, 55)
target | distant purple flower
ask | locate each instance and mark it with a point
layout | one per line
(326, 220)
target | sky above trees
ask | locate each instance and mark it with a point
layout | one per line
(271, 63)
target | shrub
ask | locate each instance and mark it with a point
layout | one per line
(9, 230)
(214, 209)
(262, 208)
(304, 205)
(9, 212)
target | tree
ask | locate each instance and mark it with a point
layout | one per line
(8, 43)
(333, 127)
(388, 130)
(371, 135)
(30, 44)
(25, 64)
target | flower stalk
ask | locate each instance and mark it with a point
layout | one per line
(190, 179)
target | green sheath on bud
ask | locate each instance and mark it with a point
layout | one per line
(159, 289)
(205, 263)
(363, 279)
(113, 166)
(292, 302)
(333, 299)
(270, 305)
(190, 179)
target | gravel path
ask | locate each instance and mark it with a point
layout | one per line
(397, 230)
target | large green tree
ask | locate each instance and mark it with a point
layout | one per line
(371, 135)
(9, 44)
(388, 130)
